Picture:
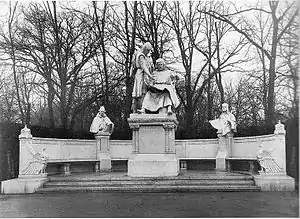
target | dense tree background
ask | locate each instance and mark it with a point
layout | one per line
(61, 61)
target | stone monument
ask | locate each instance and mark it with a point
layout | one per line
(102, 127)
(153, 141)
(272, 175)
(32, 165)
(226, 125)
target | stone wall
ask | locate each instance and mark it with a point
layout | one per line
(246, 147)
(64, 150)
(75, 149)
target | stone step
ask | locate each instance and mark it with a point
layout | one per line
(151, 188)
(149, 182)
(96, 178)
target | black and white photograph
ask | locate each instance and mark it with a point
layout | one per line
(149, 109)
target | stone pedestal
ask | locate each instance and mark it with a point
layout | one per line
(102, 150)
(275, 178)
(224, 151)
(275, 182)
(153, 145)
(24, 184)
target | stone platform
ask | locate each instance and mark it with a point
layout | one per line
(153, 145)
(186, 181)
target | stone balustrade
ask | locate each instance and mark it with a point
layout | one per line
(59, 150)
(102, 151)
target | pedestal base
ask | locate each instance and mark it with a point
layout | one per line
(221, 161)
(105, 162)
(153, 165)
(103, 154)
(275, 182)
(26, 184)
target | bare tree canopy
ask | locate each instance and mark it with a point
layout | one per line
(63, 60)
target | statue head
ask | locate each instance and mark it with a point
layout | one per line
(225, 107)
(146, 48)
(160, 64)
(102, 111)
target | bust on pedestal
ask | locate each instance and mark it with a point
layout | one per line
(225, 125)
(102, 127)
(153, 141)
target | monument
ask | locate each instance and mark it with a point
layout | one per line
(102, 127)
(154, 124)
(226, 125)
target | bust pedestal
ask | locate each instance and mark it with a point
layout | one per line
(153, 145)
(102, 150)
(224, 151)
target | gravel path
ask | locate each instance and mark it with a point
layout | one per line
(202, 204)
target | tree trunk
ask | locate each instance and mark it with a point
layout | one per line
(209, 96)
(13, 57)
(218, 75)
(189, 106)
(63, 108)
(270, 119)
(50, 99)
(101, 32)
(130, 53)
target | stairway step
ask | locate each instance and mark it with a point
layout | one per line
(150, 188)
(161, 182)
(205, 177)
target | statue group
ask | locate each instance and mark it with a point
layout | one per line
(153, 89)
(154, 92)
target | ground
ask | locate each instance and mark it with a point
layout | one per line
(200, 204)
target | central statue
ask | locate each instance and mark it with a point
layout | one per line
(153, 91)
(161, 95)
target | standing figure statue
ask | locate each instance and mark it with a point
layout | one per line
(226, 122)
(141, 69)
(101, 123)
(161, 95)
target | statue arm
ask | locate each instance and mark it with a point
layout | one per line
(233, 121)
(143, 65)
(109, 125)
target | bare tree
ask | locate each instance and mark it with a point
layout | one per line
(56, 46)
(151, 27)
(123, 27)
(287, 72)
(277, 33)
(8, 46)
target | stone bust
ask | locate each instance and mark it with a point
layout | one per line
(226, 123)
(101, 123)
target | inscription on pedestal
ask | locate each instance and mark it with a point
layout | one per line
(152, 140)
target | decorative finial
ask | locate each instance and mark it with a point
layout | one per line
(25, 132)
(279, 128)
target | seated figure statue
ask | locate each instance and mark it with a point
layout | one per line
(39, 163)
(267, 163)
(226, 122)
(101, 123)
(161, 95)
